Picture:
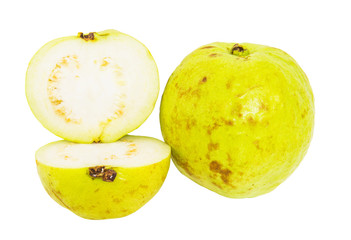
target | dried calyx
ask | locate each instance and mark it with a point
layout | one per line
(87, 37)
(239, 50)
(107, 175)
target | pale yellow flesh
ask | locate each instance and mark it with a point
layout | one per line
(93, 198)
(92, 90)
(237, 125)
(129, 151)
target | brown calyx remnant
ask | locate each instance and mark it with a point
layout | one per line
(87, 37)
(97, 171)
(237, 48)
(107, 175)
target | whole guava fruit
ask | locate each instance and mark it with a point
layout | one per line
(238, 117)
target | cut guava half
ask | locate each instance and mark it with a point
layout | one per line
(103, 180)
(92, 88)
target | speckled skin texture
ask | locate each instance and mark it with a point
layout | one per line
(238, 123)
(92, 198)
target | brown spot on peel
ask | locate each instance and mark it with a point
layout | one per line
(58, 197)
(215, 166)
(217, 185)
(212, 146)
(183, 164)
(263, 107)
(190, 123)
(303, 115)
(207, 47)
(224, 172)
(257, 144)
(251, 120)
(214, 55)
(211, 128)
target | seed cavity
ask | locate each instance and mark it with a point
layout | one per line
(66, 102)
(107, 175)
(53, 88)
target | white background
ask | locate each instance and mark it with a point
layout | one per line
(314, 203)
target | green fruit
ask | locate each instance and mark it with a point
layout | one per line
(92, 88)
(103, 180)
(238, 117)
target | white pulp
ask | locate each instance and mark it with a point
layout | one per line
(130, 151)
(92, 88)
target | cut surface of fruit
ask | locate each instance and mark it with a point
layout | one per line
(129, 151)
(92, 88)
(103, 180)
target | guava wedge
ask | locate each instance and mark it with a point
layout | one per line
(94, 87)
(238, 117)
(103, 180)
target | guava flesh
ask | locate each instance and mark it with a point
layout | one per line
(92, 88)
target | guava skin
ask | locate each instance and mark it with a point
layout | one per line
(93, 198)
(238, 122)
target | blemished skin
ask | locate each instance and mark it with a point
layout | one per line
(93, 198)
(238, 117)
